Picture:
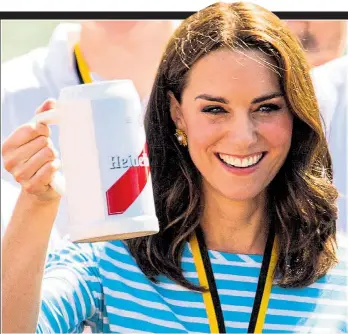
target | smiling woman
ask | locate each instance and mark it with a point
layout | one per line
(235, 80)
(243, 189)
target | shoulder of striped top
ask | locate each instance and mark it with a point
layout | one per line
(68, 252)
(337, 276)
(94, 252)
(115, 251)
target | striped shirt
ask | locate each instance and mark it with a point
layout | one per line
(101, 286)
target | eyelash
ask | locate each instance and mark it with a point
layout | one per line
(219, 110)
(271, 107)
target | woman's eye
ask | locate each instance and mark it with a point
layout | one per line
(267, 108)
(214, 110)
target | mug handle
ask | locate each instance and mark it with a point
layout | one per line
(52, 117)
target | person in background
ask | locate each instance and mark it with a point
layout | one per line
(244, 197)
(79, 53)
(325, 44)
(331, 86)
(323, 41)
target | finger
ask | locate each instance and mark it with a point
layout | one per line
(17, 158)
(23, 135)
(39, 183)
(28, 169)
(46, 105)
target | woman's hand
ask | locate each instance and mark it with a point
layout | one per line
(29, 155)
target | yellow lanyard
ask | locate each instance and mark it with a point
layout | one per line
(81, 66)
(210, 297)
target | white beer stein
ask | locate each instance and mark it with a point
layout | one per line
(107, 177)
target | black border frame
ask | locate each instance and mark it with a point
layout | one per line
(155, 15)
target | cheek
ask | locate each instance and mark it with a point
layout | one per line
(202, 132)
(278, 133)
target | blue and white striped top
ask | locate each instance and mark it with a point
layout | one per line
(100, 285)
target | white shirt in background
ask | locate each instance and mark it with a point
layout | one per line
(331, 86)
(27, 81)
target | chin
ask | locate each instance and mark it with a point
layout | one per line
(243, 194)
(242, 197)
(117, 27)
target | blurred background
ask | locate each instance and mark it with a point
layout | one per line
(21, 36)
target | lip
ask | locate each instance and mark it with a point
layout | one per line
(241, 171)
(242, 156)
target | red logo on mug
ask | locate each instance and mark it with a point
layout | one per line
(122, 194)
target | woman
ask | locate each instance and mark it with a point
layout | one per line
(244, 196)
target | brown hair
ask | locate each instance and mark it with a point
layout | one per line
(301, 196)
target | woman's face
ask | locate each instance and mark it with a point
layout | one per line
(237, 122)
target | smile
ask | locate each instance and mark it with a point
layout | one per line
(241, 162)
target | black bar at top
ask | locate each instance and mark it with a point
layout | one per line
(154, 15)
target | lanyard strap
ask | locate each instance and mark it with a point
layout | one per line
(211, 297)
(81, 66)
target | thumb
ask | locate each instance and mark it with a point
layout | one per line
(46, 105)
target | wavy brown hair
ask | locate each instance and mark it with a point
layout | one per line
(302, 199)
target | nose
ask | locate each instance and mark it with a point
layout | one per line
(242, 131)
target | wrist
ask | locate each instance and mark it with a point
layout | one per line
(36, 201)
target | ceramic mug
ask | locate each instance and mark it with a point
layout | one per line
(106, 168)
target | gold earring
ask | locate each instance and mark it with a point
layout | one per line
(181, 137)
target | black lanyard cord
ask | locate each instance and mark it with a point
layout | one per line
(211, 280)
(264, 273)
(77, 69)
(262, 280)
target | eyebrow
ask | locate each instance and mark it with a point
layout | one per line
(225, 101)
(267, 97)
(212, 98)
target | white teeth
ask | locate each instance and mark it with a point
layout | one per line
(237, 162)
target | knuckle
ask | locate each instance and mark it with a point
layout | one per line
(43, 178)
(48, 152)
(4, 147)
(43, 140)
(44, 172)
(9, 163)
(29, 187)
(30, 131)
(47, 171)
(19, 175)
(43, 129)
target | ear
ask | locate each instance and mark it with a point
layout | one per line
(176, 112)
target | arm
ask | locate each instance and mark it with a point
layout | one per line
(24, 250)
(28, 156)
(52, 299)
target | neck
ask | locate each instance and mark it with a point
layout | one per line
(114, 52)
(235, 226)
